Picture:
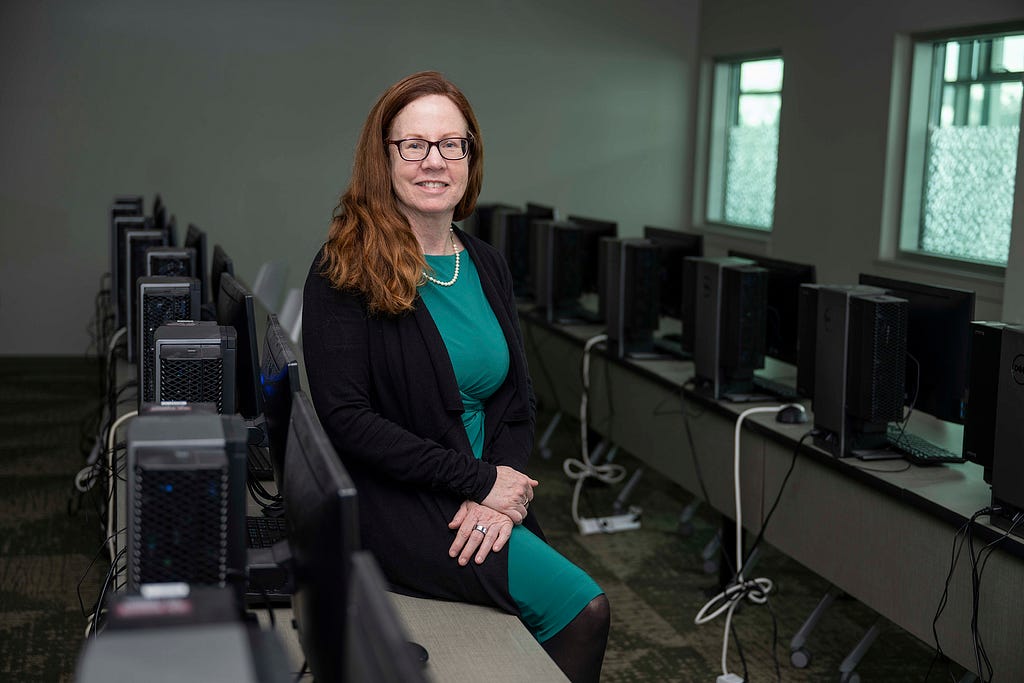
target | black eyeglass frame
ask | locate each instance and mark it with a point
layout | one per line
(468, 146)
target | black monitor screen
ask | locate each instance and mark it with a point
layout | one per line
(377, 647)
(279, 380)
(592, 232)
(320, 507)
(674, 247)
(782, 320)
(196, 239)
(939, 340)
(235, 308)
(220, 264)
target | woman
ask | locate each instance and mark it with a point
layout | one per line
(416, 368)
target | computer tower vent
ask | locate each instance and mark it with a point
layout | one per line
(161, 300)
(196, 363)
(180, 512)
(877, 364)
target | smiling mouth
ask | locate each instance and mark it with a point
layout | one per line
(432, 184)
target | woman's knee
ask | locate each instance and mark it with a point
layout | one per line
(599, 612)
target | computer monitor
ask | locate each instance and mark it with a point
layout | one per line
(939, 340)
(782, 318)
(221, 263)
(279, 380)
(196, 239)
(592, 230)
(171, 229)
(321, 510)
(235, 308)
(159, 213)
(675, 246)
(482, 218)
(376, 645)
(539, 211)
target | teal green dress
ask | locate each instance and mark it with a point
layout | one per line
(549, 590)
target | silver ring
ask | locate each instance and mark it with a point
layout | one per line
(526, 504)
(481, 528)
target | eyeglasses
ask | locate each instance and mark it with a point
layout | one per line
(415, 149)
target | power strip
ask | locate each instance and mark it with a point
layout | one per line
(729, 678)
(609, 525)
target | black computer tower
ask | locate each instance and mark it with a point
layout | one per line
(161, 300)
(136, 244)
(729, 299)
(982, 390)
(186, 500)
(556, 252)
(631, 284)
(807, 331)
(1007, 456)
(510, 234)
(860, 368)
(123, 217)
(196, 362)
(172, 262)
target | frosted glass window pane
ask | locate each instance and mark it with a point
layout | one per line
(969, 194)
(750, 175)
(764, 74)
(1013, 55)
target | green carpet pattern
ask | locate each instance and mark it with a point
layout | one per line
(45, 549)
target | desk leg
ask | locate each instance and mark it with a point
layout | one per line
(727, 552)
(542, 445)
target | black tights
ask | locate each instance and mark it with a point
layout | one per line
(578, 649)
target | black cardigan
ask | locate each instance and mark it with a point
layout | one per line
(386, 393)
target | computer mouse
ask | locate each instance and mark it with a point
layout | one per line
(791, 414)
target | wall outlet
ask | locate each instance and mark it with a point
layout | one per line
(608, 525)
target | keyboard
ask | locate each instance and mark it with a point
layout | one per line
(263, 532)
(260, 467)
(776, 388)
(917, 450)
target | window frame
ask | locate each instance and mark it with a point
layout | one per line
(926, 68)
(722, 95)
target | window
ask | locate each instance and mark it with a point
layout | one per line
(962, 137)
(744, 144)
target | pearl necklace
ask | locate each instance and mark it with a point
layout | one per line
(451, 236)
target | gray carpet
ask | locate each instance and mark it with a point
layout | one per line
(654, 577)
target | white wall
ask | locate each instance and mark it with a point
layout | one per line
(835, 124)
(243, 115)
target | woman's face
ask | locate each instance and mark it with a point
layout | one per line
(428, 190)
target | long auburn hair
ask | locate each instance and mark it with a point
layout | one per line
(371, 247)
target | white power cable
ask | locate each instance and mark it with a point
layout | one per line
(754, 590)
(583, 469)
(112, 478)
